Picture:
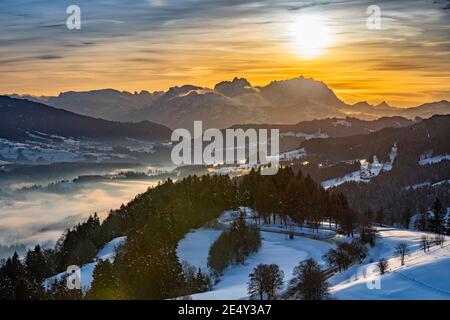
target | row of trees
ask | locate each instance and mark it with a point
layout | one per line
(345, 254)
(22, 279)
(308, 282)
(297, 197)
(233, 246)
(434, 221)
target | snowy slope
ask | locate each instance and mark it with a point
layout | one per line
(426, 184)
(424, 276)
(108, 252)
(367, 171)
(194, 247)
(354, 176)
(307, 136)
(432, 160)
(87, 270)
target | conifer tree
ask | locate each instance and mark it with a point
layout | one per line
(437, 221)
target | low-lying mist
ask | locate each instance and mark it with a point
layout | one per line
(39, 217)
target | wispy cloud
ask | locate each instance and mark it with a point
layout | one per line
(152, 44)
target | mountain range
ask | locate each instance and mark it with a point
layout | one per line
(229, 103)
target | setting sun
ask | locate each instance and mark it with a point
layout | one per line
(311, 36)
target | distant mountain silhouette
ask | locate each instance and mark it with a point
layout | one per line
(367, 111)
(231, 102)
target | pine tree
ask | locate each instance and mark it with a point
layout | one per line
(105, 285)
(59, 291)
(437, 221)
(369, 214)
(423, 221)
(6, 287)
(14, 268)
(202, 281)
(379, 217)
(448, 224)
(37, 264)
(406, 218)
(14, 276)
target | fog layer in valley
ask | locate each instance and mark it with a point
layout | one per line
(29, 218)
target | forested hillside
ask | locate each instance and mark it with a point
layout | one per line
(430, 134)
(17, 117)
(419, 174)
(146, 266)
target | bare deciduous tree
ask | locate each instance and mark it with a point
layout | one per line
(439, 240)
(309, 281)
(402, 250)
(265, 280)
(424, 243)
(382, 265)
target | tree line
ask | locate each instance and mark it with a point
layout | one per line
(308, 282)
(233, 246)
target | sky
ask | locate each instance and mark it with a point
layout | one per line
(136, 45)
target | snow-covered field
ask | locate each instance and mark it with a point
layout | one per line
(342, 122)
(425, 160)
(293, 155)
(36, 151)
(194, 247)
(244, 168)
(424, 276)
(44, 148)
(307, 136)
(275, 248)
